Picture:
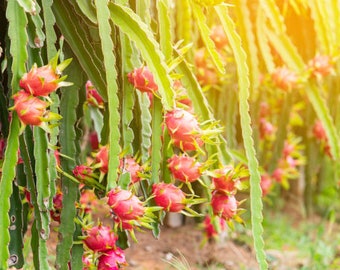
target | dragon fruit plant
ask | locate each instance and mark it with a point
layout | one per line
(90, 145)
(156, 119)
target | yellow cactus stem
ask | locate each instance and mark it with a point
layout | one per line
(208, 2)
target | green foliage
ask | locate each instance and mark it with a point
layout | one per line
(103, 16)
(68, 147)
(243, 81)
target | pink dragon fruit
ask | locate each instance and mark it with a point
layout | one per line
(209, 228)
(321, 66)
(219, 37)
(278, 175)
(168, 196)
(288, 149)
(57, 206)
(184, 129)
(111, 259)
(143, 80)
(102, 157)
(87, 262)
(93, 137)
(266, 128)
(92, 96)
(30, 109)
(100, 238)
(266, 184)
(224, 206)
(319, 131)
(57, 157)
(284, 78)
(224, 181)
(131, 166)
(124, 224)
(2, 147)
(82, 171)
(40, 81)
(184, 168)
(125, 205)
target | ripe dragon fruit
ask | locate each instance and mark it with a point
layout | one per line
(284, 78)
(30, 109)
(224, 206)
(82, 171)
(319, 131)
(57, 206)
(102, 157)
(92, 96)
(266, 184)
(125, 205)
(266, 128)
(100, 238)
(168, 196)
(40, 81)
(57, 157)
(219, 37)
(224, 181)
(209, 228)
(143, 80)
(94, 141)
(111, 259)
(2, 147)
(184, 129)
(278, 175)
(321, 66)
(87, 262)
(130, 165)
(184, 168)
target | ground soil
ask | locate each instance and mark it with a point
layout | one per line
(184, 241)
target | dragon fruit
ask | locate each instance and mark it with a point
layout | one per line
(321, 66)
(30, 109)
(111, 259)
(224, 206)
(40, 81)
(224, 181)
(125, 205)
(143, 80)
(284, 78)
(184, 129)
(102, 157)
(209, 228)
(219, 37)
(168, 196)
(92, 96)
(131, 166)
(100, 238)
(266, 184)
(82, 171)
(184, 168)
(57, 206)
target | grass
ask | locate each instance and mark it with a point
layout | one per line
(313, 242)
